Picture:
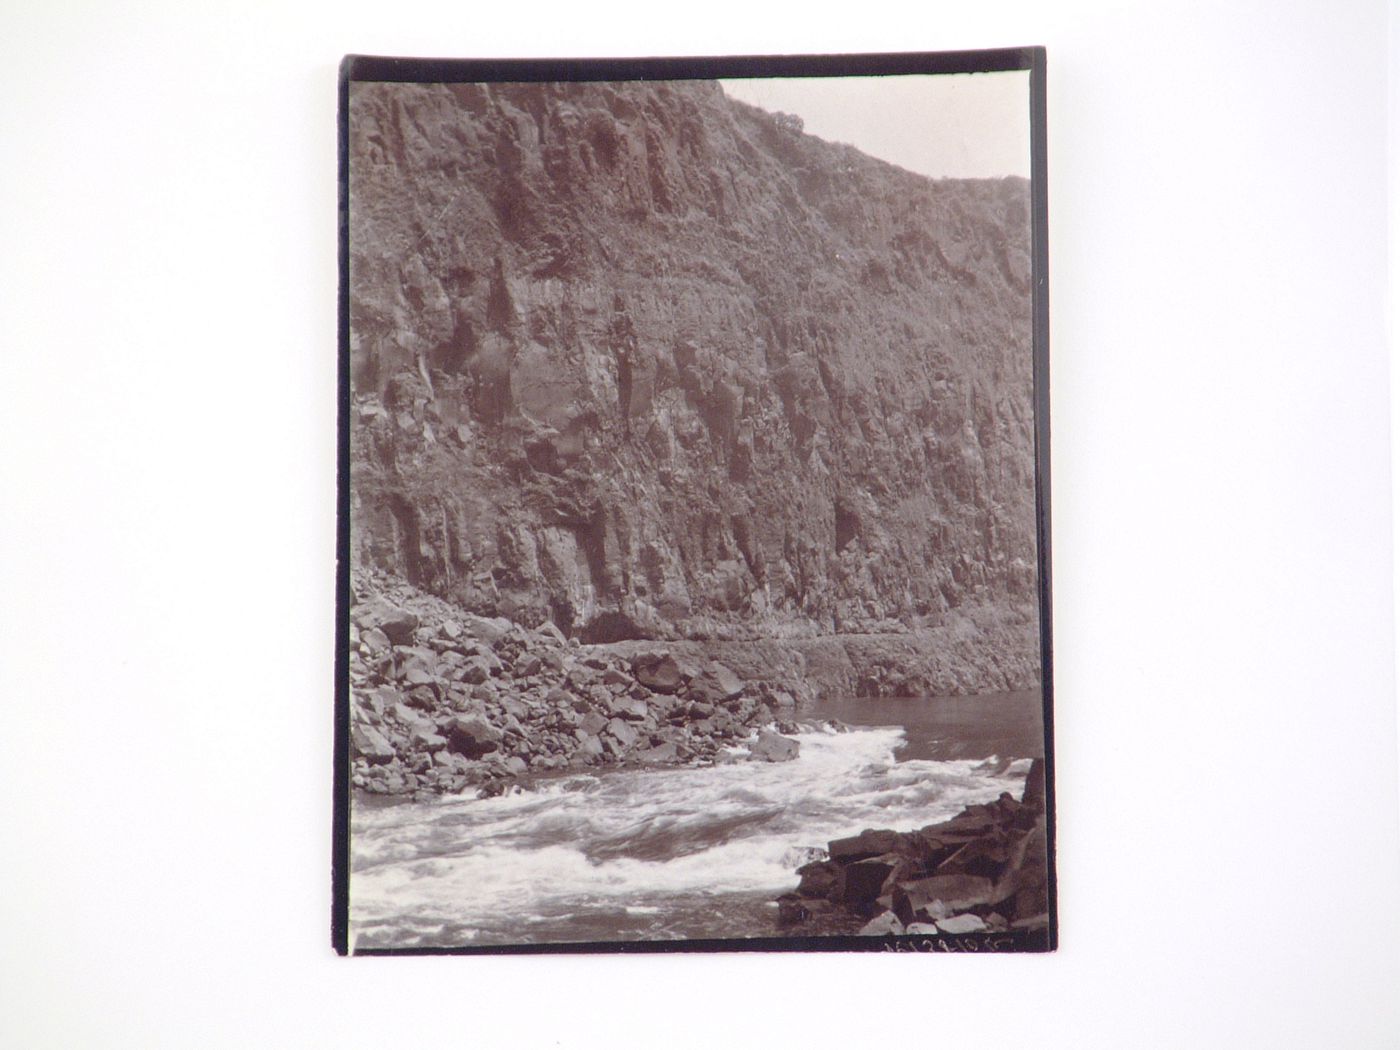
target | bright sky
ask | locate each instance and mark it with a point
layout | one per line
(960, 125)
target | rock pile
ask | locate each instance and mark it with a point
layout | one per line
(985, 870)
(442, 700)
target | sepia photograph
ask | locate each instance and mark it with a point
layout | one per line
(694, 585)
(612, 527)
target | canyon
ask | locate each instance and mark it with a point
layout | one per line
(650, 365)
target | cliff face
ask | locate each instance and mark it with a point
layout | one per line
(651, 363)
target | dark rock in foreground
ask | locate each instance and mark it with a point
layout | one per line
(986, 869)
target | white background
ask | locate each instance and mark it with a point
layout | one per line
(1229, 860)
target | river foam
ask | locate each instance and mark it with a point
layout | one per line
(636, 854)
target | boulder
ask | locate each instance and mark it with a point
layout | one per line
(902, 906)
(927, 929)
(715, 684)
(932, 850)
(489, 629)
(770, 747)
(865, 880)
(819, 879)
(657, 671)
(661, 754)
(588, 744)
(867, 844)
(427, 740)
(376, 700)
(969, 825)
(493, 662)
(475, 671)
(957, 892)
(883, 925)
(408, 716)
(396, 624)
(1034, 793)
(416, 658)
(593, 723)
(417, 676)
(558, 698)
(424, 696)
(371, 744)
(472, 735)
(986, 856)
(375, 640)
(581, 679)
(551, 633)
(622, 732)
(962, 924)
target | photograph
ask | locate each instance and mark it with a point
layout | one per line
(506, 505)
(694, 587)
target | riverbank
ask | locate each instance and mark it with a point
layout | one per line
(642, 854)
(446, 704)
(984, 871)
(442, 701)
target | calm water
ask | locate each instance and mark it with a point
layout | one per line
(667, 854)
(1009, 725)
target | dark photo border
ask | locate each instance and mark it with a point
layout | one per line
(372, 68)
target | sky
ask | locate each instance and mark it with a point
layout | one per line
(955, 125)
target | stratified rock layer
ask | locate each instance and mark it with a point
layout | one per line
(652, 364)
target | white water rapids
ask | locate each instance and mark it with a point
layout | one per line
(646, 854)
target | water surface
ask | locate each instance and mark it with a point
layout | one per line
(672, 854)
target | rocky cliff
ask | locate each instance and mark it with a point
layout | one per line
(649, 363)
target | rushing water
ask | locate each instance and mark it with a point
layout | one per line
(668, 854)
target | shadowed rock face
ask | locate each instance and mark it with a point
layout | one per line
(653, 364)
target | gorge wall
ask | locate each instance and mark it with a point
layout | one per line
(650, 363)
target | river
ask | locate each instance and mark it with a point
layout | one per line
(670, 854)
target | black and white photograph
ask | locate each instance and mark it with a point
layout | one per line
(726, 526)
(694, 572)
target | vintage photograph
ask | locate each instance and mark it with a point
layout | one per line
(694, 583)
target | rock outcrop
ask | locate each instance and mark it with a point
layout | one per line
(648, 364)
(443, 701)
(986, 870)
